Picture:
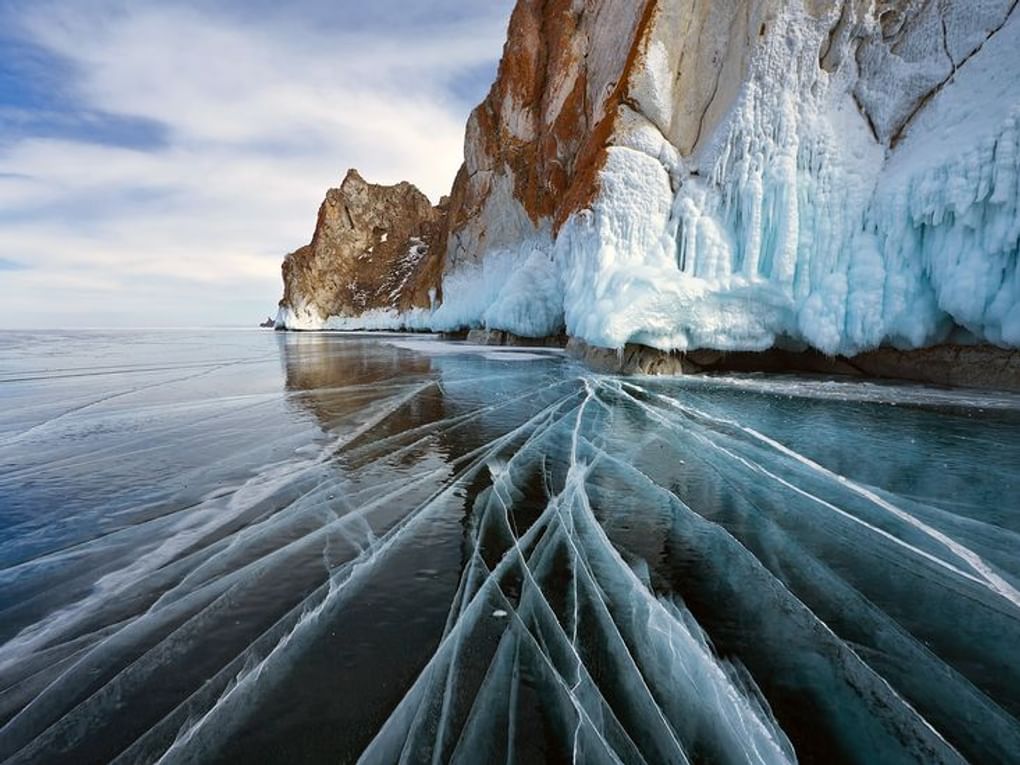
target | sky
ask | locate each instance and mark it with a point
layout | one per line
(158, 158)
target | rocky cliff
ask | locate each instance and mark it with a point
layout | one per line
(376, 253)
(735, 175)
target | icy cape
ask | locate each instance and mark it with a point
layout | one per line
(736, 175)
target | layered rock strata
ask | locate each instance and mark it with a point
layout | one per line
(734, 175)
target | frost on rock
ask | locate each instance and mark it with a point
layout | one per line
(834, 176)
(513, 290)
(947, 210)
(797, 225)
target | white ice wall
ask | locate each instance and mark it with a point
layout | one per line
(794, 223)
(798, 225)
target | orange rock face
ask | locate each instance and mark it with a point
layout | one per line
(534, 146)
(374, 248)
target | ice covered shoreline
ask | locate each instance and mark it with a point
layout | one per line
(951, 365)
(846, 194)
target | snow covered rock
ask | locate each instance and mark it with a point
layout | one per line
(740, 175)
(846, 181)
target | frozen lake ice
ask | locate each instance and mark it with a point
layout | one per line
(263, 547)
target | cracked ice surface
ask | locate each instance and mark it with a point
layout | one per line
(253, 546)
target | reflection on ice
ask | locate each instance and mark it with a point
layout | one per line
(404, 550)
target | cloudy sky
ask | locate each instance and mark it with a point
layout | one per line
(158, 157)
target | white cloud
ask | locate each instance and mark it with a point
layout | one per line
(260, 117)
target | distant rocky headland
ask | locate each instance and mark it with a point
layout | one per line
(687, 185)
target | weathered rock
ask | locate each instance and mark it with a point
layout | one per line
(578, 77)
(966, 366)
(374, 248)
(632, 359)
(533, 148)
(499, 337)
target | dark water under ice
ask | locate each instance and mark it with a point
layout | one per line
(232, 546)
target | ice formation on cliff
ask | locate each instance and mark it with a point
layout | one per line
(819, 209)
(796, 226)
